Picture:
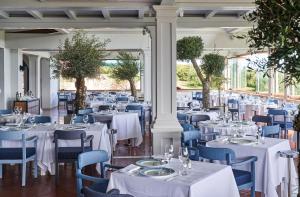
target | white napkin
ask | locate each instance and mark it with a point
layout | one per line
(131, 168)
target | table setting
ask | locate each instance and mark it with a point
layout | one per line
(180, 177)
(45, 145)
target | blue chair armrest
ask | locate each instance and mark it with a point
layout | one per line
(90, 178)
(32, 139)
(244, 161)
(88, 138)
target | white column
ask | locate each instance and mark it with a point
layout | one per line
(166, 129)
(2, 80)
(33, 74)
(16, 76)
(147, 75)
(142, 80)
(38, 77)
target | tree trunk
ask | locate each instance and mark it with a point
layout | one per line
(132, 87)
(206, 94)
(219, 91)
(80, 94)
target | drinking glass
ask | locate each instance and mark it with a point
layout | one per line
(32, 119)
(73, 118)
(85, 118)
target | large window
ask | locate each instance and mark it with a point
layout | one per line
(103, 81)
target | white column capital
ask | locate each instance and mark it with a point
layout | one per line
(165, 11)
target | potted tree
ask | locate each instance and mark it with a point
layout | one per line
(78, 58)
(190, 49)
(126, 69)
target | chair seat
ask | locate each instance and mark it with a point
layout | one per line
(15, 153)
(65, 153)
(241, 176)
(282, 125)
(100, 187)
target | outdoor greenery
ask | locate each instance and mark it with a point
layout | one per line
(78, 58)
(127, 68)
(190, 49)
(277, 30)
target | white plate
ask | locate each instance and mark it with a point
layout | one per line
(157, 172)
(243, 141)
(151, 163)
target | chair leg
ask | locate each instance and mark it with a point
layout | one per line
(252, 191)
(0, 171)
(35, 172)
(23, 174)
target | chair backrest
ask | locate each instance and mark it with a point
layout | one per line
(190, 138)
(233, 103)
(273, 101)
(182, 118)
(69, 134)
(113, 193)
(92, 157)
(122, 98)
(221, 154)
(100, 99)
(79, 119)
(276, 112)
(135, 108)
(85, 111)
(187, 127)
(104, 107)
(5, 111)
(199, 117)
(12, 135)
(271, 131)
(263, 119)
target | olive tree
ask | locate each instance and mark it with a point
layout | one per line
(190, 49)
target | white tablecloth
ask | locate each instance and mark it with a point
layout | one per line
(228, 128)
(128, 127)
(45, 145)
(204, 179)
(269, 168)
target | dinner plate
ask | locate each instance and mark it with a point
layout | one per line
(157, 172)
(243, 141)
(75, 127)
(151, 163)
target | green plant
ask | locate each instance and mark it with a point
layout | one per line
(126, 69)
(78, 58)
(277, 30)
(190, 49)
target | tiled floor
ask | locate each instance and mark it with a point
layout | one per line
(44, 186)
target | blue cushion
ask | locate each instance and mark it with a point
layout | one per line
(241, 176)
(15, 153)
(71, 152)
(100, 187)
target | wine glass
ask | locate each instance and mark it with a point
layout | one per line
(73, 118)
(32, 119)
(85, 118)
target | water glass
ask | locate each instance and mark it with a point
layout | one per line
(85, 119)
(32, 119)
(73, 118)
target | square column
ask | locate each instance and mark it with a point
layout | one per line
(166, 129)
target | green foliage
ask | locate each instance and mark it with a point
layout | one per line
(277, 29)
(186, 73)
(189, 48)
(213, 64)
(251, 79)
(218, 82)
(126, 68)
(79, 57)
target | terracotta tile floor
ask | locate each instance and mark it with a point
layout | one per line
(44, 186)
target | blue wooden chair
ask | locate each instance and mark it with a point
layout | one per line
(244, 179)
(197, 96)
(275, 101)
(40, 119)
(85, 111)
(194, 138)
(195, 119)
(263, 119)
(140, 110)
(233, 107)
(5, 111)
(122, 99)
(63, 98)
(70, 154)
(271, 131)
(283, 122)
(18, 155)
(89, 158)
(188, 127)
(182, 118)
(79, 119)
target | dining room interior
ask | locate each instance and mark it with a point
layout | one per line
(149, 98)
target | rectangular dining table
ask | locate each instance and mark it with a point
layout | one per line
(45, 145)
(203, 179)
(270, 168)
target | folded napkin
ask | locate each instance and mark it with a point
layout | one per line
(11, 124)
(130, 169)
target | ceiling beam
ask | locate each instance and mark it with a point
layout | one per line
(211, 14)
(141, 13)
(63, 31)
(106, 14)
(35, 14)
(4, 14)
(71, 14)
